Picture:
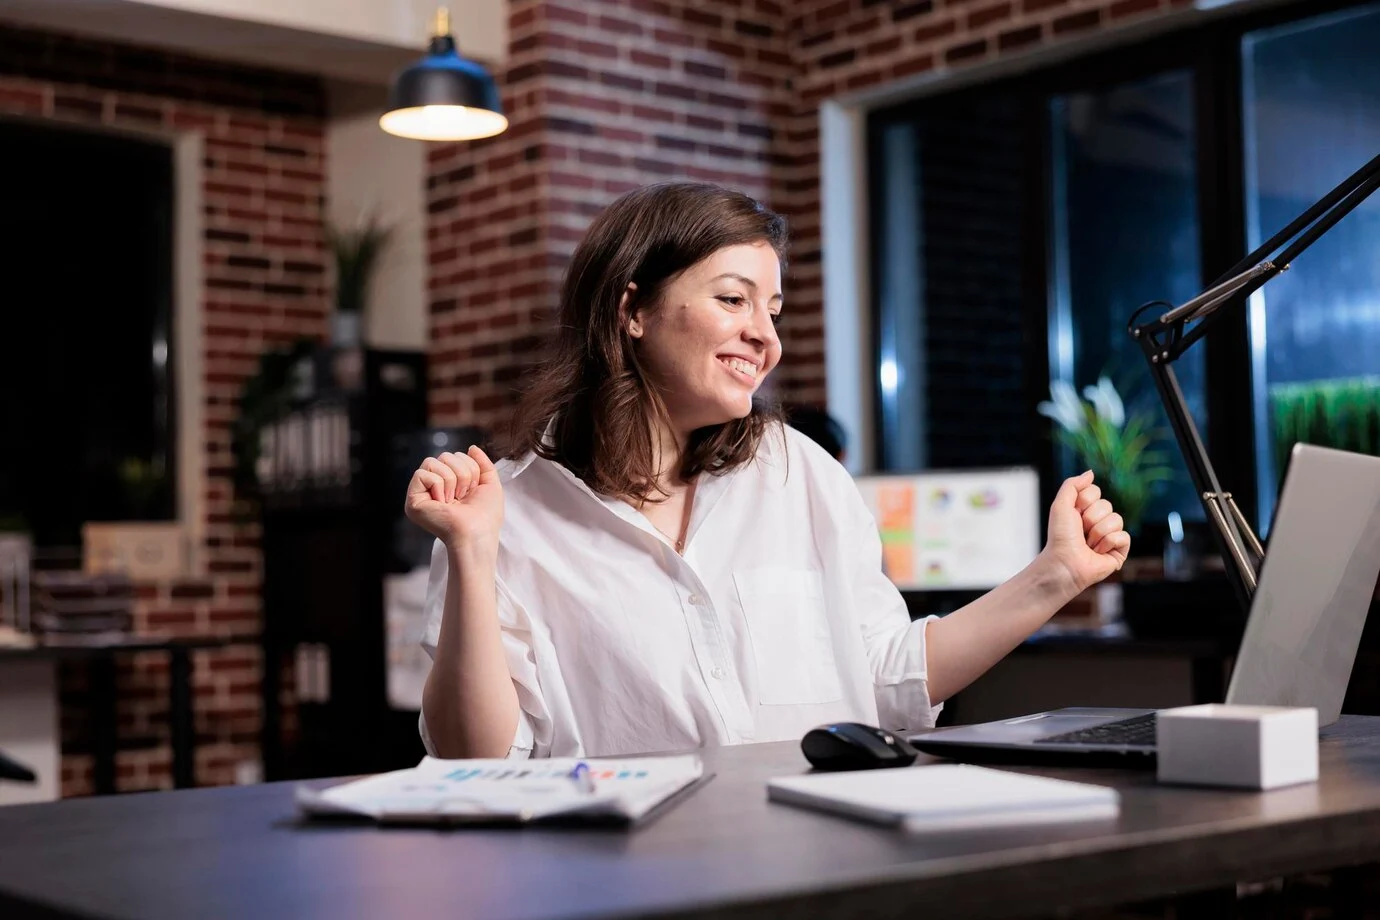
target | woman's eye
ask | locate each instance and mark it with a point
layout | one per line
(777, 319)
(733, 300)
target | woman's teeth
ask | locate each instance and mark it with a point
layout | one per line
(745, 367)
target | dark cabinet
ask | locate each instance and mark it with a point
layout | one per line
(331, 514)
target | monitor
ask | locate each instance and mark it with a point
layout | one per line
(955, 530)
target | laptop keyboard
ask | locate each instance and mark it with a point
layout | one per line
(1137, 731)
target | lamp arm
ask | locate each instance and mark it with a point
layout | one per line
(1351, 182)
(1227, 525)
(1164, 339)
(1206, 306)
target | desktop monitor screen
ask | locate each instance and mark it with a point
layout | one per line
(956, 529)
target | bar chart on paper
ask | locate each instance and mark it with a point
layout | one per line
(452, 791)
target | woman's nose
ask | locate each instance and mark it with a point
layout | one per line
(761, 329)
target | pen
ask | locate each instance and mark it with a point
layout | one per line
(582, 778)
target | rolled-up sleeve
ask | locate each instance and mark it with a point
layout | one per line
(895, 645)
(516, 631)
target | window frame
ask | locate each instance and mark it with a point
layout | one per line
(1211, 53)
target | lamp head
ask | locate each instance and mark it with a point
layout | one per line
(444, 97)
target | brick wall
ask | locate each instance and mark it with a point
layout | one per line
(264, 264)
(607, 94)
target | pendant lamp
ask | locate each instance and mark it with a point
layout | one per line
(443, 97)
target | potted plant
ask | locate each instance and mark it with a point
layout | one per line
(1117, 447)
(355, 252)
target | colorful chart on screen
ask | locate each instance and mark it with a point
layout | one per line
(955, 530)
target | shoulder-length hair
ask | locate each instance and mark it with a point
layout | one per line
(590, 393)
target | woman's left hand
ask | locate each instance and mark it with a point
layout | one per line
(1086, 537)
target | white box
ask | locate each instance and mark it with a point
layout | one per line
(1248, 747)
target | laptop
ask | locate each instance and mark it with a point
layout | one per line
(1300, 641)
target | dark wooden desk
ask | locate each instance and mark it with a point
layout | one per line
(726, 852)
(100, 657)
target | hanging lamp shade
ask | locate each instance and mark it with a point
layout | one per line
(443, 97)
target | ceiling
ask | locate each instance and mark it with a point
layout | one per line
(360, 41)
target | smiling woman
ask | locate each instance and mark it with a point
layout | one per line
(660, 564)
(672, 285)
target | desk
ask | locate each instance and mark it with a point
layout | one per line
(101, 698)
(726, 852)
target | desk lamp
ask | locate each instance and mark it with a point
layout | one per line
(1164, 339)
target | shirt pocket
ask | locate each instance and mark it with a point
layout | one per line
(791, 641)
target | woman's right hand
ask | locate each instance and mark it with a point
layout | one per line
(457, 498)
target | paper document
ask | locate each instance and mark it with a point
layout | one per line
(509, 791)
(947, 797)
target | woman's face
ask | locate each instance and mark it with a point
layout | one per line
(711, 340)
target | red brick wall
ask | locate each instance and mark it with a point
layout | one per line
(612, 94)
(264, 264)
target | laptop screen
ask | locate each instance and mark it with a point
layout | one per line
(1316, 585)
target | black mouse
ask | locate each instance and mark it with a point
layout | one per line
(854, 746)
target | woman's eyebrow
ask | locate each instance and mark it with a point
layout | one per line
(743, 278)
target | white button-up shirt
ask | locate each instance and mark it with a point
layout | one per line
(778, 617)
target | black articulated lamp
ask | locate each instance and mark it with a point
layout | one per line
(1163, 340)
(443, 97)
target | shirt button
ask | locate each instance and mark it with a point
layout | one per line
(717, 673)
(695, 600)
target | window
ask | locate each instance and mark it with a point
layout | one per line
(86, 244)
(1311, 118)
(951, 332)
(1124, 231)
(1072, 195)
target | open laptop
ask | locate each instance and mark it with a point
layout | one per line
(1305, 623)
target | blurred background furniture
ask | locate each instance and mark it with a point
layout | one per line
(81, 607)
(29, 717)
(332, 480)
(14, 770)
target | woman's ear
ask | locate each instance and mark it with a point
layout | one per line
(629, 318)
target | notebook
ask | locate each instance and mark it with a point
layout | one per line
(947, 797)
(511, 792)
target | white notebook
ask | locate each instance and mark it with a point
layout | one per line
(947, 797)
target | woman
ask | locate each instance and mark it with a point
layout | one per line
(662, 565)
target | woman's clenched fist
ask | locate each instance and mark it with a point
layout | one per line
(457, 498)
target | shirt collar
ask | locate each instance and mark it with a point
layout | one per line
(770, 455)
(517, 464)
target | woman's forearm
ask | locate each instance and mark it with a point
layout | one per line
(470, 704)
(962, 645)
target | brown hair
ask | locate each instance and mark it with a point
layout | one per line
(591, 384)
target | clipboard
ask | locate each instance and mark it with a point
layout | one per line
(509, 793)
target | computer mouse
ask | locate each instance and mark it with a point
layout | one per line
(854, 746)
